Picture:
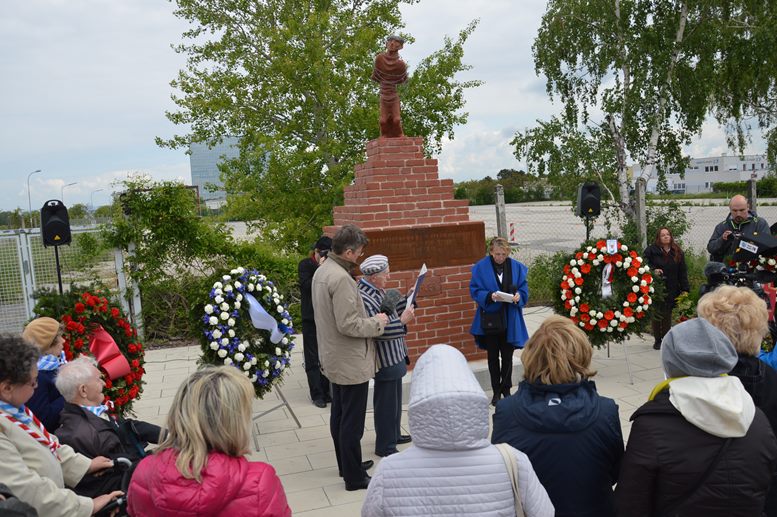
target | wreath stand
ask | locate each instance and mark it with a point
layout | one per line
(284, 403)
(628, 364)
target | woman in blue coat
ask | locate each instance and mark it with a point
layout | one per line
(498, 325)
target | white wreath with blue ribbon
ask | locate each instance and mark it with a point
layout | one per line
(247, 325)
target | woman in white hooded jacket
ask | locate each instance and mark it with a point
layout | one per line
(452, 468)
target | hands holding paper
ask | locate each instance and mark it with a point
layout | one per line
(501, 296)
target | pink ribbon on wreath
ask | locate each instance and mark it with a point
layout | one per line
(107, 353)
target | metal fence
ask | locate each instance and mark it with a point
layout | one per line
(26, 266)
(543, 228)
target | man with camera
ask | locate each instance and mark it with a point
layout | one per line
(741, 222)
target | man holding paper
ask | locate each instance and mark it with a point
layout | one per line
(500, 288)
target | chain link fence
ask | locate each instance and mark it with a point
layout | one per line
(543, 228)
(26, 266)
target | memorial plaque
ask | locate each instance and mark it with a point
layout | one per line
(436, 246)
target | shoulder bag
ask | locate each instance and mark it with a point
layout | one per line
(512, 470)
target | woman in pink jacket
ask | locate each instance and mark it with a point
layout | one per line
(199, 469)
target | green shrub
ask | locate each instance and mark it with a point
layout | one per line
(544, 278)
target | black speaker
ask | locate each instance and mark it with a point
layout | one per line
(54, 223)
(589, 200)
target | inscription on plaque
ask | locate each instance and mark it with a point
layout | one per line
(436, 246)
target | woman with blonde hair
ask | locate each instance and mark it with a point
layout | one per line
(571, 434)
(200, 467)
(742, 316)
(498, 325)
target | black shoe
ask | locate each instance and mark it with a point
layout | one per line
(359, 485)
(366, 465)
(387, 453)
(505, 392)
(495, 399)
(319, 403)
(657, 345)
(404, 438)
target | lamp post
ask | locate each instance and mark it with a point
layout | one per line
(62, 191)
(29, 199)
(91, 198)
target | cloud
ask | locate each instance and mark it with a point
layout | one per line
(86, 85)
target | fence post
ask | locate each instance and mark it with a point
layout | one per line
(28, 272)
(501, 214)
(752, 193)
(641, 188)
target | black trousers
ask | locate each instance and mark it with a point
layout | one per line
(501, 375)
(317, 381)
(346, 424)
(662, 321)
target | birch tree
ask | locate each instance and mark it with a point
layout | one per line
(636, 80)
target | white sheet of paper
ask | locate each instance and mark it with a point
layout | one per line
(502, 296)
(418, 282)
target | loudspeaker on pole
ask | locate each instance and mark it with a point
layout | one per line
(54, 223)
(588, 200)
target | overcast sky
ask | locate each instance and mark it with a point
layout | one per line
(84, 85)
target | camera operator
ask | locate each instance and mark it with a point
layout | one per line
(740, 222)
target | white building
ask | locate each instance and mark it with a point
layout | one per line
(702, 173)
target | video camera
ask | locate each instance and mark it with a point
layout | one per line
(748, 248)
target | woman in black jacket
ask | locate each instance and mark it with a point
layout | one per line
(667, 261)
(742, 316)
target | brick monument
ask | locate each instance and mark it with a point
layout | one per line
(410, 215)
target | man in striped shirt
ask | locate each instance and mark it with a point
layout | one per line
(392, 355)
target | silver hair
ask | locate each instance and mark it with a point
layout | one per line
(396, 38)
(74, 374)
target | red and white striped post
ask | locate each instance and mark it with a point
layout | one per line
(512, 233)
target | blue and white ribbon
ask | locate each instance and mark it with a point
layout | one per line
(16, 412)
(262, 320)
(97, 410)
(49, 362)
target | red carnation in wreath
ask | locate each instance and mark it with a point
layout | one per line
(81, 321)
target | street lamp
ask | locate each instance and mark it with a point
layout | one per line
(91, 198)
(62, 191)
(29, 200)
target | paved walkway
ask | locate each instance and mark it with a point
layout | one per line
(304, 457)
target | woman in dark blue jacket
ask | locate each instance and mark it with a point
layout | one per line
(498, 325)
(571, 434)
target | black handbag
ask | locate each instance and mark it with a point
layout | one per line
(492, 322)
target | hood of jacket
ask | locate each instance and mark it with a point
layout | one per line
(719, 406)
(565, 408)
(448, 409)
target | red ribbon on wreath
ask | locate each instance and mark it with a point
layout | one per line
(107, 353)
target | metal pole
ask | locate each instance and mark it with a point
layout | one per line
(501, 214)
(59, 269)
(62, 191)
(29, 199)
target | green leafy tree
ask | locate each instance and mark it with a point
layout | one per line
(78, 212)
(636, 80)
(292, 80)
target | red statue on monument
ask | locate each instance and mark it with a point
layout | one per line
(390, 71)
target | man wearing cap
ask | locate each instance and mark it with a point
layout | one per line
(739, 222)
(699, 446)
(346, 350)
(45, 333)
(392, 354)
(317, 382)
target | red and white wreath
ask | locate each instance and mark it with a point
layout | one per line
(607, 293)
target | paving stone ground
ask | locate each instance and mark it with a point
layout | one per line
(304, 457)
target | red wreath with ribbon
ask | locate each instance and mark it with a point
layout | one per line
(614, 303)
(95, 327)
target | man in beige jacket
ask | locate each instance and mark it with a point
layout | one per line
(346, 350)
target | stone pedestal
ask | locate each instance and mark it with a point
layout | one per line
(410, 216)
